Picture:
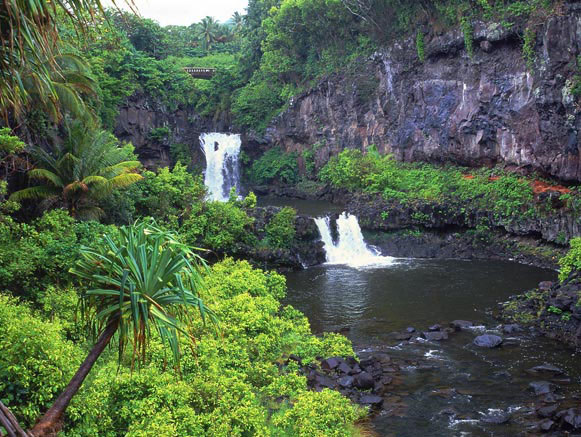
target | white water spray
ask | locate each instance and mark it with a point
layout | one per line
(222, 171)
(350, 249)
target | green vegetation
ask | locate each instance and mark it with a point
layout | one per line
(280, 231)
(222, 227)
(468, 33)
(505, 194)
(69, 287)
(572, 261)
(275, 165)
(528, 48)
(86, 167)
(229, 384)
(421, 46)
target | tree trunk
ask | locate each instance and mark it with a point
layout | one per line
(51, 423)
(10, 424)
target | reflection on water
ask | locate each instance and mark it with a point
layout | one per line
(312, 208)
(375, 302)
(461, 379)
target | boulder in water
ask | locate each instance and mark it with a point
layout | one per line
(364, 381)
(546, 425)
(435, 336)
(488, 341)
(542, 387)
(511, 328)
(573, 418)
(458, 325)
(547, 369)
(496, 418)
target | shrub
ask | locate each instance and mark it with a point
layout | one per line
(572, 260)
(230, 385)
(507, 195)
(36, 255)
(220, 226)
(280, 231)
(275, 166)
(318, 414)
(169, 194)
(36, 362)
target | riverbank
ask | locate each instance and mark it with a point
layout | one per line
(553, 308)
(400, 233)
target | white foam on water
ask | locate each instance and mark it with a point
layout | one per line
(350, 249)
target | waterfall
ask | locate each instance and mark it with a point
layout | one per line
(222, 172)
(350, 248)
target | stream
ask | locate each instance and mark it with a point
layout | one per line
(447, 388)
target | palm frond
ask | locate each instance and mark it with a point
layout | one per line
(124, 180)
(34, 193)
(46, 175)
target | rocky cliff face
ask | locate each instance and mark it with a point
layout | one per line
(485, 109)
(141, 114)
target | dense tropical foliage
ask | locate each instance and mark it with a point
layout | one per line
(96, 250)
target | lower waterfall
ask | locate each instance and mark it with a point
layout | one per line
(350, 248)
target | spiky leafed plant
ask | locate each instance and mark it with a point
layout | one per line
(29, 40)
(143, 281)
(80, 171)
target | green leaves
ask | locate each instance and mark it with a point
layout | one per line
(143, 279)
(275, 166)
(87, 166)
(572, 261)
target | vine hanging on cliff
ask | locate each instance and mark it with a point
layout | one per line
(528, 48)
(420, 46)
(468, 32)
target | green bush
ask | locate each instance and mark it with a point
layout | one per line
(572, 260)
(219, 226)
(169, 194)
(37, 255)
(36, 362)
(280, 231)
(319, 414)
(506, 195)
(255, 104)
(231, 384)
(275, 166)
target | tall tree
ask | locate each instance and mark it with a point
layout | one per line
(238, 22)
(208, 32)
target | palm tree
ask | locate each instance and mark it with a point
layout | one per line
(29, 40)
(207, 31)
(145, 281)
(238, 21)
(78, 172)
(62, 91)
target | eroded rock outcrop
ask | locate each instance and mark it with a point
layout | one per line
(141, 114)
(474, 111)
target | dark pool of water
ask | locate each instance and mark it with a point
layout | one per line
(374, 302)
(370, 304)
(313, 208)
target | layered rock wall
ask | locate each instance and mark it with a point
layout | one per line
(486, 109)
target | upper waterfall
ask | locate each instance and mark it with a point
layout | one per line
(350, 249)
(222, 170)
